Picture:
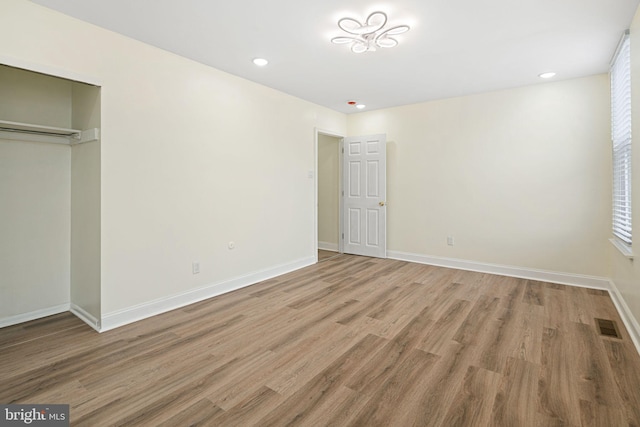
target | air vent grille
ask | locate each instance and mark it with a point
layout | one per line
(608, 328)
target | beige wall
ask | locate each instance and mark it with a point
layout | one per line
(518, 177)
(85, 106)
(625, 272)
(85, 204)
(34, 225)
(85, 227)
(191, 158)
(34, 197)
(34, 98)
(328, 191)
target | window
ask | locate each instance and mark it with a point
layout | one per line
(621, 139)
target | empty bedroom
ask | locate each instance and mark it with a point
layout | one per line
(319, 213)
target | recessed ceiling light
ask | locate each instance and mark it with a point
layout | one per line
(547, 75)
(360, 106)
(260, 62)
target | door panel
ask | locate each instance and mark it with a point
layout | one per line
(365, 195)
(354, 179)
(354, 226)
(373, 224)
(373, 170)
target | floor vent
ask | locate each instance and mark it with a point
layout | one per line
(608, 328)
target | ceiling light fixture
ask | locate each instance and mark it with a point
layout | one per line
(260, 62)
(547, 75)
(369, 36)
(360, 106)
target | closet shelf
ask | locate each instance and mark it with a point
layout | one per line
(38, 133)
(38, 129)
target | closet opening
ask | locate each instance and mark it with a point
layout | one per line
(50, 190)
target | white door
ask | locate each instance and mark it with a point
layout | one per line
(364, 195)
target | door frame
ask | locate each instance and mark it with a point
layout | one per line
(317, 132)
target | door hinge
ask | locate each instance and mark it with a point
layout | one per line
(342, 193)
(342, 150)
(342, 236)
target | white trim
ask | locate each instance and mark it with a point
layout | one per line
(33, 315)
(593, 282)
(48, 70)
(85, 316)
(325, 246)
(316, 133)
(626, 315)
(340, 196)
(622, 247)
(152, 308)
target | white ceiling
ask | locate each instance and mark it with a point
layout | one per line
(455, 47)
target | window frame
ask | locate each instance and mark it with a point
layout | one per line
(621, 144)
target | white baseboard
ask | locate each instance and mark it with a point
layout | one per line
(592, 282)
(627, 316)
(325, 246)
(142, 311)
(33, 315)
(85, 316)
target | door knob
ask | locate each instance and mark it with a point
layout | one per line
(381, 203)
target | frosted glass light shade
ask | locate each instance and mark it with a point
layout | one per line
(369, 36)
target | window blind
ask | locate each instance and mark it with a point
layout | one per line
(621, 139)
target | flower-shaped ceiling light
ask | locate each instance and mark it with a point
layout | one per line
(370, 35)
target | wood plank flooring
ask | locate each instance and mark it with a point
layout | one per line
(325, 255)
(350, 341)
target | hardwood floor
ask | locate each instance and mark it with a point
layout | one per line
(348, 341)
(325, 255)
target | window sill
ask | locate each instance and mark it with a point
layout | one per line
(623, 248)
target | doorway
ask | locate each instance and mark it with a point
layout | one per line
(354, 222)
(328, 194)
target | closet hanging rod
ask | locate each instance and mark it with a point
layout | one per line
(34, 129)
(40, 132)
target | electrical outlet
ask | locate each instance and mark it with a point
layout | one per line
(195, 266)
(450, 240)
